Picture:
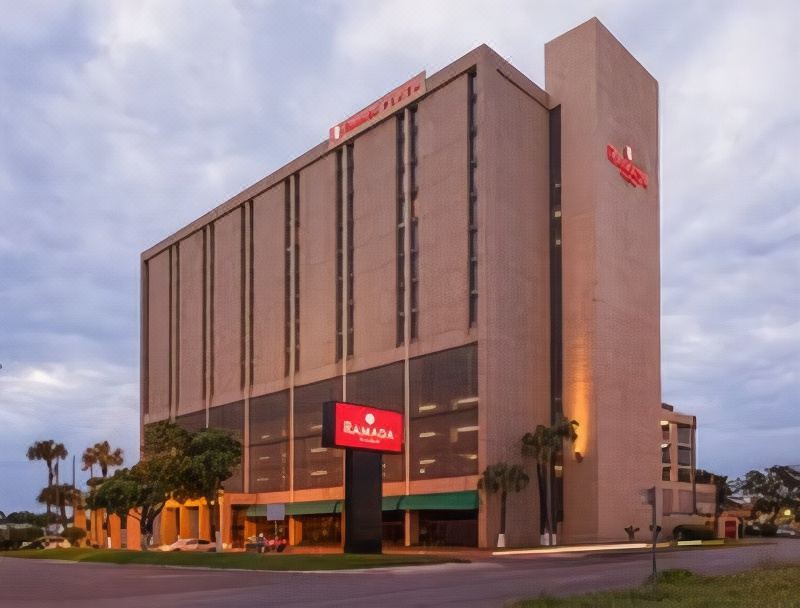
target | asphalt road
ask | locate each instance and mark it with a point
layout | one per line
(494, 582)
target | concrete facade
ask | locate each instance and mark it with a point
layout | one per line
(249, 301)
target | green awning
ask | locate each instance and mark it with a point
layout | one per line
(257, 511)
(457, 501)
(391, 503)
(314, 507)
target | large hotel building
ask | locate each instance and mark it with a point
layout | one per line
(472, 250)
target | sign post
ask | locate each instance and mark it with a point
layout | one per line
(365, 433)
(649, 497)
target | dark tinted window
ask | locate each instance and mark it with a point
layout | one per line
(444, 414)
(230, 418)
(685, 456)
(269, 443)
(315, 466)
(381, 387)
(684, 434)
(196, 421)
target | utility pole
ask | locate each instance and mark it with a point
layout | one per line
(73, 489)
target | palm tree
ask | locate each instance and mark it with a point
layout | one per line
(546, 445)
(102, 455)
(62, 496)
(106, 458)
(503, 478)
(89, 459)
(50, 452)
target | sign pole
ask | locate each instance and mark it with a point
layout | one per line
(655, 533)
(365, 433)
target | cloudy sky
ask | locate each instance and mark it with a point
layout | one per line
(122, 121)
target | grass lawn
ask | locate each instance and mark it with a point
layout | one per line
(773, 587)
(247, 561)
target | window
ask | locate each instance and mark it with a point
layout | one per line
(315, 466)
(339, 254)
(685, 434)
(444, 414)
(685, 474)
(666, 473)
(473, 201)
(665, 458)
(400, 270)
(269, 443)
(381, 387)
(414, 222)
(556, 338)
(350, 274)
(287, 273)
(296, 221)
(684, 456)
(665, 431)
(230, 418)
(193, 422)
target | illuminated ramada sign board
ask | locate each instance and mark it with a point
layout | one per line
(392, 101)
(349, 425)
(629, 172)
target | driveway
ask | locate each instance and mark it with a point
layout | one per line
(488, 583)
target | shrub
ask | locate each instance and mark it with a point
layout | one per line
(74, 535)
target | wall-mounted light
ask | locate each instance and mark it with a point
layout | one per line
(578, 456)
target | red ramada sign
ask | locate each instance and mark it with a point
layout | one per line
(629, 172)
(387, 104)
(349, 425)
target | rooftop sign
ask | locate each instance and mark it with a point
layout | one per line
(348, 425)
(392, 101)
(629, 172)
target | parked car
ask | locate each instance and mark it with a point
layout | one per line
(692, 532)
(48, 542)
(759, 529)
(190, 544)
(787, 531)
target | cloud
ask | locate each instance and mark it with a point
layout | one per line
(124, 121)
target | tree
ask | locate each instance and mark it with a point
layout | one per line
(546, 445)
(102, 455)
(61, 496)
(773, 491)
(149, 484)
(40, 520)
(213, 455)
(503, 478)
(723, 491)
(49, 451)
(89, 460)
(175, 465)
